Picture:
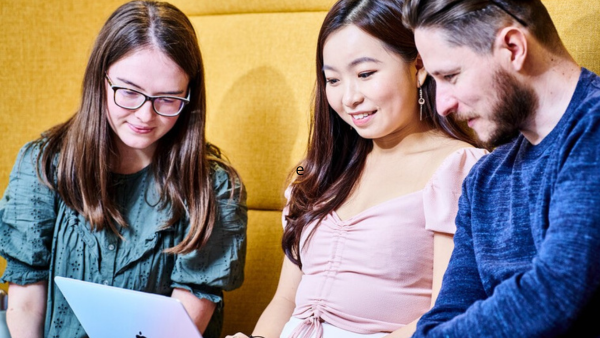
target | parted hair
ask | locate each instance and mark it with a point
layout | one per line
(475, 23)
(336, 154)
(77, 156)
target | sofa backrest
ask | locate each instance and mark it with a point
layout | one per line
(259, 62)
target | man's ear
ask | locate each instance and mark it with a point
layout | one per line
(511, 47)
(421, 72)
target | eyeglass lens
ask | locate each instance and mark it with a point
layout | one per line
(130, 99)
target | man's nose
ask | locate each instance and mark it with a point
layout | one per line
(446, 103)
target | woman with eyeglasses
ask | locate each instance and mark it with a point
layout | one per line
(368, 227)
(127, 192)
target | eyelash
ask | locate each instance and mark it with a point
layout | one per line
(365, 75)
(449, 77)
(362, 75)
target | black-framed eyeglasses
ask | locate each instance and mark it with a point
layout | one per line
(491, 2)
(132, 99)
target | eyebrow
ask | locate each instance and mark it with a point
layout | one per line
(142, 89)
(355, 62)
(446, 71)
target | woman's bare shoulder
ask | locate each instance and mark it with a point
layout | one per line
(441, 144)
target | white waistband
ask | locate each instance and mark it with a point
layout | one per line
(329, 331)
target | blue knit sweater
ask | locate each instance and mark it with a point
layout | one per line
(526, 261)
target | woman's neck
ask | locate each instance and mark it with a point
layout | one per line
(132, 160)
(405, 141)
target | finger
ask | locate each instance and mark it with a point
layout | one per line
(237, 335)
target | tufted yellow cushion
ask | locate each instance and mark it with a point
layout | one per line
(195, 7)
(578, 23)
(259, 76)
(259, 86)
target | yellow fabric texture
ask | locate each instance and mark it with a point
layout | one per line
(205, 7)
(578, 24)
(259, 62)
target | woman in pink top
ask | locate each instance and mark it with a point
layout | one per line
(368, 227)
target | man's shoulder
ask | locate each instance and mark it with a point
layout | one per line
(585, 106)
(587, 99)
(592, 77)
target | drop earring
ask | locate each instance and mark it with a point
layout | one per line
(421, 101)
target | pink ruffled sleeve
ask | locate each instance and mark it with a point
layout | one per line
(440, 196)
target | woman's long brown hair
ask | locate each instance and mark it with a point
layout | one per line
(77, 156)
(336, 154)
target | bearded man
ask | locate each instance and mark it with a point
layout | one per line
(526, 261)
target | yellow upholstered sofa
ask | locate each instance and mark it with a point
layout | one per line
(259, 61)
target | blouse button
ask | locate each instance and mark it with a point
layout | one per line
(111, 247)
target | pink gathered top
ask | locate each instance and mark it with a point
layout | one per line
(373, 272)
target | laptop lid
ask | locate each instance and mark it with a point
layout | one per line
(107, 311)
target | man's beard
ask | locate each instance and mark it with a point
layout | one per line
(515, 105)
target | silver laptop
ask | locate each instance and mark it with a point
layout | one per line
(111, 312)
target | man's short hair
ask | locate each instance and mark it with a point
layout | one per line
(475, 23)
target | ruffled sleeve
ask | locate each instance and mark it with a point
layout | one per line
(440, 196)
(27, 218)
(219, 265)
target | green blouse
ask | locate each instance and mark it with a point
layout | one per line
(40, 237)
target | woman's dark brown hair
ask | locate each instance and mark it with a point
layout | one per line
(336, 154)
(77, 156)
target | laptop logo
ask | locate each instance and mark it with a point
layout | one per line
(140, 335)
